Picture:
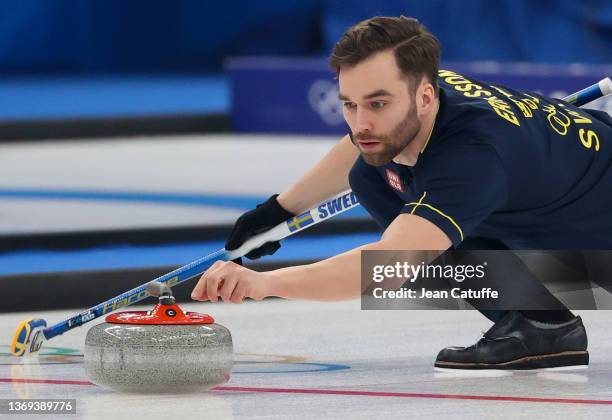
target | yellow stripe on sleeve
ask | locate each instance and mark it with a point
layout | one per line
(420, 203)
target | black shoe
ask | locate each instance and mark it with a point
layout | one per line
(515, 342)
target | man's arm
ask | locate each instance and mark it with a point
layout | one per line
(327, 178)
(339, 277)
(335, 278)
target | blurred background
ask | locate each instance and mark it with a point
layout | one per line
(195, 66)
(133, 133)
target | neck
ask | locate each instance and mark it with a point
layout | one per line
(410, 154)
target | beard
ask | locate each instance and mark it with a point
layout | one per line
(393, 143)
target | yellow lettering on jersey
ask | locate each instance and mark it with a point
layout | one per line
(531, 101)
(578, 118)
(468, 87)
(456, 80)
(503, 110)
(503, 92)
(445, 73)
(531, 104)
(472, 90)
(524, 108)
(588, 138)
(478, 93)
(557, 120)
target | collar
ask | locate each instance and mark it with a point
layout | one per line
(435, 128)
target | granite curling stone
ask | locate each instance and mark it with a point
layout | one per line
(165, 350)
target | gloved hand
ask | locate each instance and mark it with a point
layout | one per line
(264, 217)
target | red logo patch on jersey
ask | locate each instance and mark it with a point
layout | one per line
(394, 180)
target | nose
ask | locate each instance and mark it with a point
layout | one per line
(363, 120)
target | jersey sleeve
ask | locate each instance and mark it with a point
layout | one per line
(458, 188)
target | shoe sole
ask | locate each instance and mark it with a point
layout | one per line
(566, 359)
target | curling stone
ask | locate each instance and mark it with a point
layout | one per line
(164, 350)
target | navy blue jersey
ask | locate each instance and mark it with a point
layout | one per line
(531, 171)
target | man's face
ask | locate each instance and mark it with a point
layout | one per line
(378, 107)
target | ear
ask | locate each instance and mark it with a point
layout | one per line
(425, 97)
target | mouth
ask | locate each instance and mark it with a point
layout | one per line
(368, 144)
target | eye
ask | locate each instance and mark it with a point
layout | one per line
(349, 105)
(377, 105)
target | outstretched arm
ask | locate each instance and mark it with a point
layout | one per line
(326, 179)
(329, 175)
(335, 278)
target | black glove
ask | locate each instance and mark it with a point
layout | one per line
(264, 217)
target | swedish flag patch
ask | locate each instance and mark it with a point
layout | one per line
(298, 222)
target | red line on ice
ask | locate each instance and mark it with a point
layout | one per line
(349, 393)
(411, 395)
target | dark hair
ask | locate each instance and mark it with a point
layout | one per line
(416, 50)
